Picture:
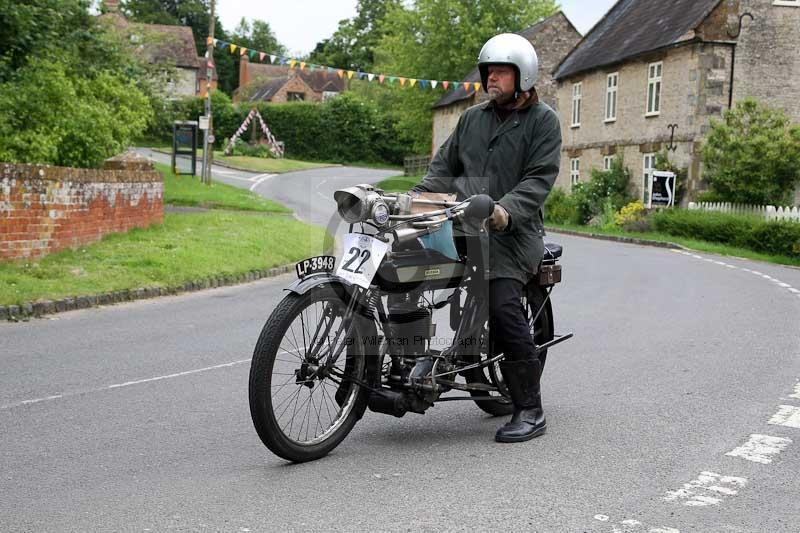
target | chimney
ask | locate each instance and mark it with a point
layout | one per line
(111, 6)
(244, 71)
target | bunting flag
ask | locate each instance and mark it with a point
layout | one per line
(274, 146)
(382, 78)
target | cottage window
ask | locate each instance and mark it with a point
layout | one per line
(576, 104)
(574, 171)
(608, 160)
(612, 82)
(648, 166)
(329, 95)
(787, 3)
(654, 88)
(295, 97)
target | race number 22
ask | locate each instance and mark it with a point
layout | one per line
(356, 253)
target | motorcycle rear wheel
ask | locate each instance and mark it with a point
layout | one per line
(283, 396)
(540, 331)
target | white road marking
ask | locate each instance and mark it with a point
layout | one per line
(223, 172)
(631, 525)
(261, 178)
(601, 517)
(759, 448)
(796, 392)
(177, 375)
(696, 492)
(787, 415)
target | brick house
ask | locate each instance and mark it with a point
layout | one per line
(649, 68)
(553, 39)
(173, 47)
(280, 83)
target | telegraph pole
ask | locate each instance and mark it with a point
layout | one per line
(208, 140)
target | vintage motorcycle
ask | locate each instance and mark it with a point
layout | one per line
(363, 334)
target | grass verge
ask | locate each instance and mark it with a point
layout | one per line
(694, 244)
(188, 191)
(398, 183)
(185, 247)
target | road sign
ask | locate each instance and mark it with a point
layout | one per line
(203, 123)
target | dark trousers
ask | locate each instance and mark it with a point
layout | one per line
(509, 331)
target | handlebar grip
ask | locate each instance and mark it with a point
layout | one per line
(480, 206)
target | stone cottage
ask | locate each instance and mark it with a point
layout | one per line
(260, 82)
(651, 75)
(553, 39)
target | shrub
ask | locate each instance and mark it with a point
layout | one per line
(776, 237)
(612, 186)
(709, 226)
(559, 208)
(630, 213)
(753, 155)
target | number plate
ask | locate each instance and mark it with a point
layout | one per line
(315, 265)
(362, 257)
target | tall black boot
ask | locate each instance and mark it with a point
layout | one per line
(522, 380)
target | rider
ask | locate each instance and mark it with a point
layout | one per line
(513, 141)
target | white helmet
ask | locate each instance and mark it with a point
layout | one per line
(510, 49)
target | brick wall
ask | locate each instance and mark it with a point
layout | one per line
(296, 85)
(44, 209)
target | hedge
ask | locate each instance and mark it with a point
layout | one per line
(754, 233)
(345, 129)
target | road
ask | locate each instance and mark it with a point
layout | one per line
(135, 417)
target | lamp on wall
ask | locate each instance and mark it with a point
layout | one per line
(672, 146)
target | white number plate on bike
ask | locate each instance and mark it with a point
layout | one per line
(362, 257)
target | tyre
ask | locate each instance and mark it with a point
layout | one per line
(300, 412)
(541, 331)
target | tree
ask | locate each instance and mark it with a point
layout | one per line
(440, 39)
(257, 36)
(753, 155)
(352, 45)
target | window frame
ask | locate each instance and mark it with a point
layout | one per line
(290, 94)
(786, 3)
(655, 84)
(647, 177)
(612, 92)
(608, 161)
(577, 100)
(574, 171)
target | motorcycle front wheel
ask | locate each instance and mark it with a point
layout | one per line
(300, 412)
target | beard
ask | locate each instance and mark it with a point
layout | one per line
(500, 97)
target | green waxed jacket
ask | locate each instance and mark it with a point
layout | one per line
(516, 163)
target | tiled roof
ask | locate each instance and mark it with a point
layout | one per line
(318, 80)
(157, 43)
(268, 90)
(634, 27)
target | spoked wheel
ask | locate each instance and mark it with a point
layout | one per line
(302, 409)
(541, 330)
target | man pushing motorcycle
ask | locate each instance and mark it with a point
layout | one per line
(513, 143)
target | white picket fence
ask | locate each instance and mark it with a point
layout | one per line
(769, 212)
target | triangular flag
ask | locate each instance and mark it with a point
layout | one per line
(412, 82)
(402, 81)
(381, 78)
(222, 44)
(292, 63)
(233, 48)
(434, 83)
(261, 56)
(350, 74)
(477, 86)
(392, 79)
(252, 54)
(445, 84)
(302, 65)
(370, 77)
(284, 61)
(361, 75)
(272, 58)
(423, 84)
(209, 40)
(466, 85)
(331, 70)
(340, 73)
(242, 51)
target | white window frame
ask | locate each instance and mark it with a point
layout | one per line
(577, 97)
(608, 160)
(786, 3)
(648, 166)
(574, 171)
(612, 86)
(655, 72)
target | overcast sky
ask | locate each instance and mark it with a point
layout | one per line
(300, 24)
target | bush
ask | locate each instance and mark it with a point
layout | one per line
(50, 116)
(559, 208)
(773, 237)
(610, 187)
(753, 155)
(632, 212)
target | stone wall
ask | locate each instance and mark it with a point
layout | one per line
(44, 209)
(296, 85)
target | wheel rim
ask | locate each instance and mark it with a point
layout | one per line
(303, 400)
